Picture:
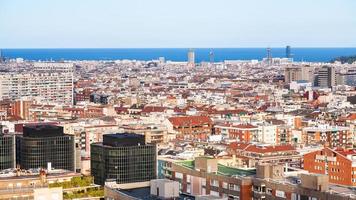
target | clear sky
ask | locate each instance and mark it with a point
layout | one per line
(177, 23)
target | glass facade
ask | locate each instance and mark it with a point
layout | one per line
(125, 164)
(36, 152)
(7, 149)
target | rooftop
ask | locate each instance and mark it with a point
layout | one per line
(123, 139)
(42, 130)
(145, 194)
(222, 169)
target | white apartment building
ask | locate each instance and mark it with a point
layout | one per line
(267, 133)
(47, 86)
(53, 67)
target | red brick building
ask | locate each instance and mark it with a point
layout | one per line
(191, 127)
(251, 154)
(339, 164)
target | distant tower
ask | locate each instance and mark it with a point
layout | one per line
(211, 57)
(191, 57)
(1, 57)
(288, 52)
(269, 56)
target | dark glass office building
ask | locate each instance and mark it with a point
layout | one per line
(123, 157)
(43, 144)
(7, 152)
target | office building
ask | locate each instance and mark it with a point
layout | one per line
(297, 73)
(45, 146)
(326, 77)
(46, 83)
(191, 57)
(124, 158)
(7, 151)
(350, 77)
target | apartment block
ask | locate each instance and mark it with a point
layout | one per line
(50, 85)
(338, 164)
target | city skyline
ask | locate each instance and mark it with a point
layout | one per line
(177, 24)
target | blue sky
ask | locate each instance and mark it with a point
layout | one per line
(177, 23)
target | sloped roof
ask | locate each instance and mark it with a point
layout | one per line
(190, 120)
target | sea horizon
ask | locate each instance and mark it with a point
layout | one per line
(307, 54)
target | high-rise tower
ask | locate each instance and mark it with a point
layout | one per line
(288, 52)
(269, 56)
(191, 57)
(2, 59)
(211, 57)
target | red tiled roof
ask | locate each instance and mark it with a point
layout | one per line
(345, 152)
(351, 116)
(260, 149)
(190, 120)
(245, 126)
(270, 149)
(149, 109)
(236, 145)
(225, 112)
(121, 109)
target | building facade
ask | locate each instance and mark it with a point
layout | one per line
(191, 127)
(45, 146)
(326, 77)
(338, 164)
(332, 136)
(123, 157)
(7, 151)
(47, 82)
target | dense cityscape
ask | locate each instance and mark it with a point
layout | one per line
(161, 129)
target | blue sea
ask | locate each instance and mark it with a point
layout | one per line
(176, 54)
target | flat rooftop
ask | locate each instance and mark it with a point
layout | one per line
(145, 194)
(123, 139)
(222, 169)
(42, 130)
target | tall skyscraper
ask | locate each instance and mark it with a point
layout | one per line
(123, 157)
(288, 52)
(326, 77)
(1, 57)
(191, 57)
(41, 146)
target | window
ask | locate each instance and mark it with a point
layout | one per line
(214, 183)
(224, 185)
